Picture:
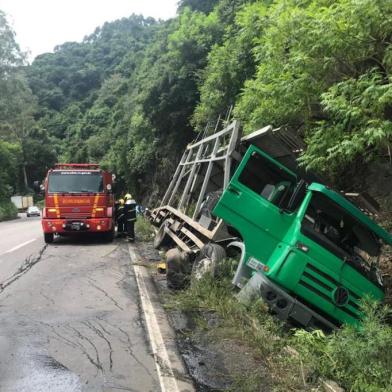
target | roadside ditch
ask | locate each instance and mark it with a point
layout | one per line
(227, 346)
(215, 362)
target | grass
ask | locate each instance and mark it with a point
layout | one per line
(143, 229)
(358, 359)
(8, 210)
(251, 326)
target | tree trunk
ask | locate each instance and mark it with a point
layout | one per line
(25, 176)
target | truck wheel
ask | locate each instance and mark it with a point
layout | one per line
(178, 269)
(208, 261)
(48, 237)
(161, 238)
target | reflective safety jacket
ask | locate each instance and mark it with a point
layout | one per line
(120, 212)
(130, 210)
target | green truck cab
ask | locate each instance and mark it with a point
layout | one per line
(310, 253)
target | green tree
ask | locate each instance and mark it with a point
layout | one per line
(230, 64)
(205, 6)
(315, 60)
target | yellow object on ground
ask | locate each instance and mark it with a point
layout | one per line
(162, 268)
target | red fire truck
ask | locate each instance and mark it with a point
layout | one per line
(78, 199)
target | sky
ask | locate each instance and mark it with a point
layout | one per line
(40, 25)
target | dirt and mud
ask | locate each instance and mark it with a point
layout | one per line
(213, 361)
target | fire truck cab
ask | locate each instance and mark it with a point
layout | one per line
(78, 199)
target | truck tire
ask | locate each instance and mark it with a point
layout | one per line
(208, 261)
(178, 269)
(48, 238)
(161, 239)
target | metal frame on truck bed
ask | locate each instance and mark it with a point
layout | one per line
(204, 169)
(203, 172)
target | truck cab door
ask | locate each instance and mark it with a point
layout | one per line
(255, 202)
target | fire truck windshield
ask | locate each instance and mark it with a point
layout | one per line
(75, 182)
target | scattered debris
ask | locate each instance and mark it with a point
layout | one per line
(162, 267)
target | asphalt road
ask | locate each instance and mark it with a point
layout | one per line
(69, 315)
(19, 239)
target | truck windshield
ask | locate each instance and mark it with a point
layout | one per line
(329, 225)
(75, 182)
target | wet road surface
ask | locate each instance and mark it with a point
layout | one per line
(71, 321)
(19, 239)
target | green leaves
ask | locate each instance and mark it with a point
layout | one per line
(323, 67)
(229, 65)
(128, 94)
(10, 54)
(10, 155)
(20, 140)
(357, 123)
(357, 358)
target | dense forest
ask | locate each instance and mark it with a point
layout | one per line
(133, 93)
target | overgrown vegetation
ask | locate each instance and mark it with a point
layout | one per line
(25, 147)
(358, 358)
(144, 229)
(126, 96)
(7, 210)
(297, 360)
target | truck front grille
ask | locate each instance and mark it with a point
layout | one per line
(75, 215)
(323, 285)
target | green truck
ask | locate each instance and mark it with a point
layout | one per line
(308, 251)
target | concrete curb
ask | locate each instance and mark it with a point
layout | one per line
(172, 374)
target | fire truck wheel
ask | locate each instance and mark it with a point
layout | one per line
(208, 261)
(178, 269)
(48, 237)
(161, 238)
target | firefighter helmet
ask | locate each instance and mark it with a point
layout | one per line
(128, 196)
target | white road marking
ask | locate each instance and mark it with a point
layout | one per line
(18, 246)
(164, 368)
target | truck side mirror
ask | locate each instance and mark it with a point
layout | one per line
(297, 196)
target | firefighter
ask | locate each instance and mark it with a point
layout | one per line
(130, 216)
(120, 217)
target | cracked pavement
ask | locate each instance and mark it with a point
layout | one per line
(71, 321)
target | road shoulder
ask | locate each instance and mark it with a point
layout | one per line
(172, 373)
